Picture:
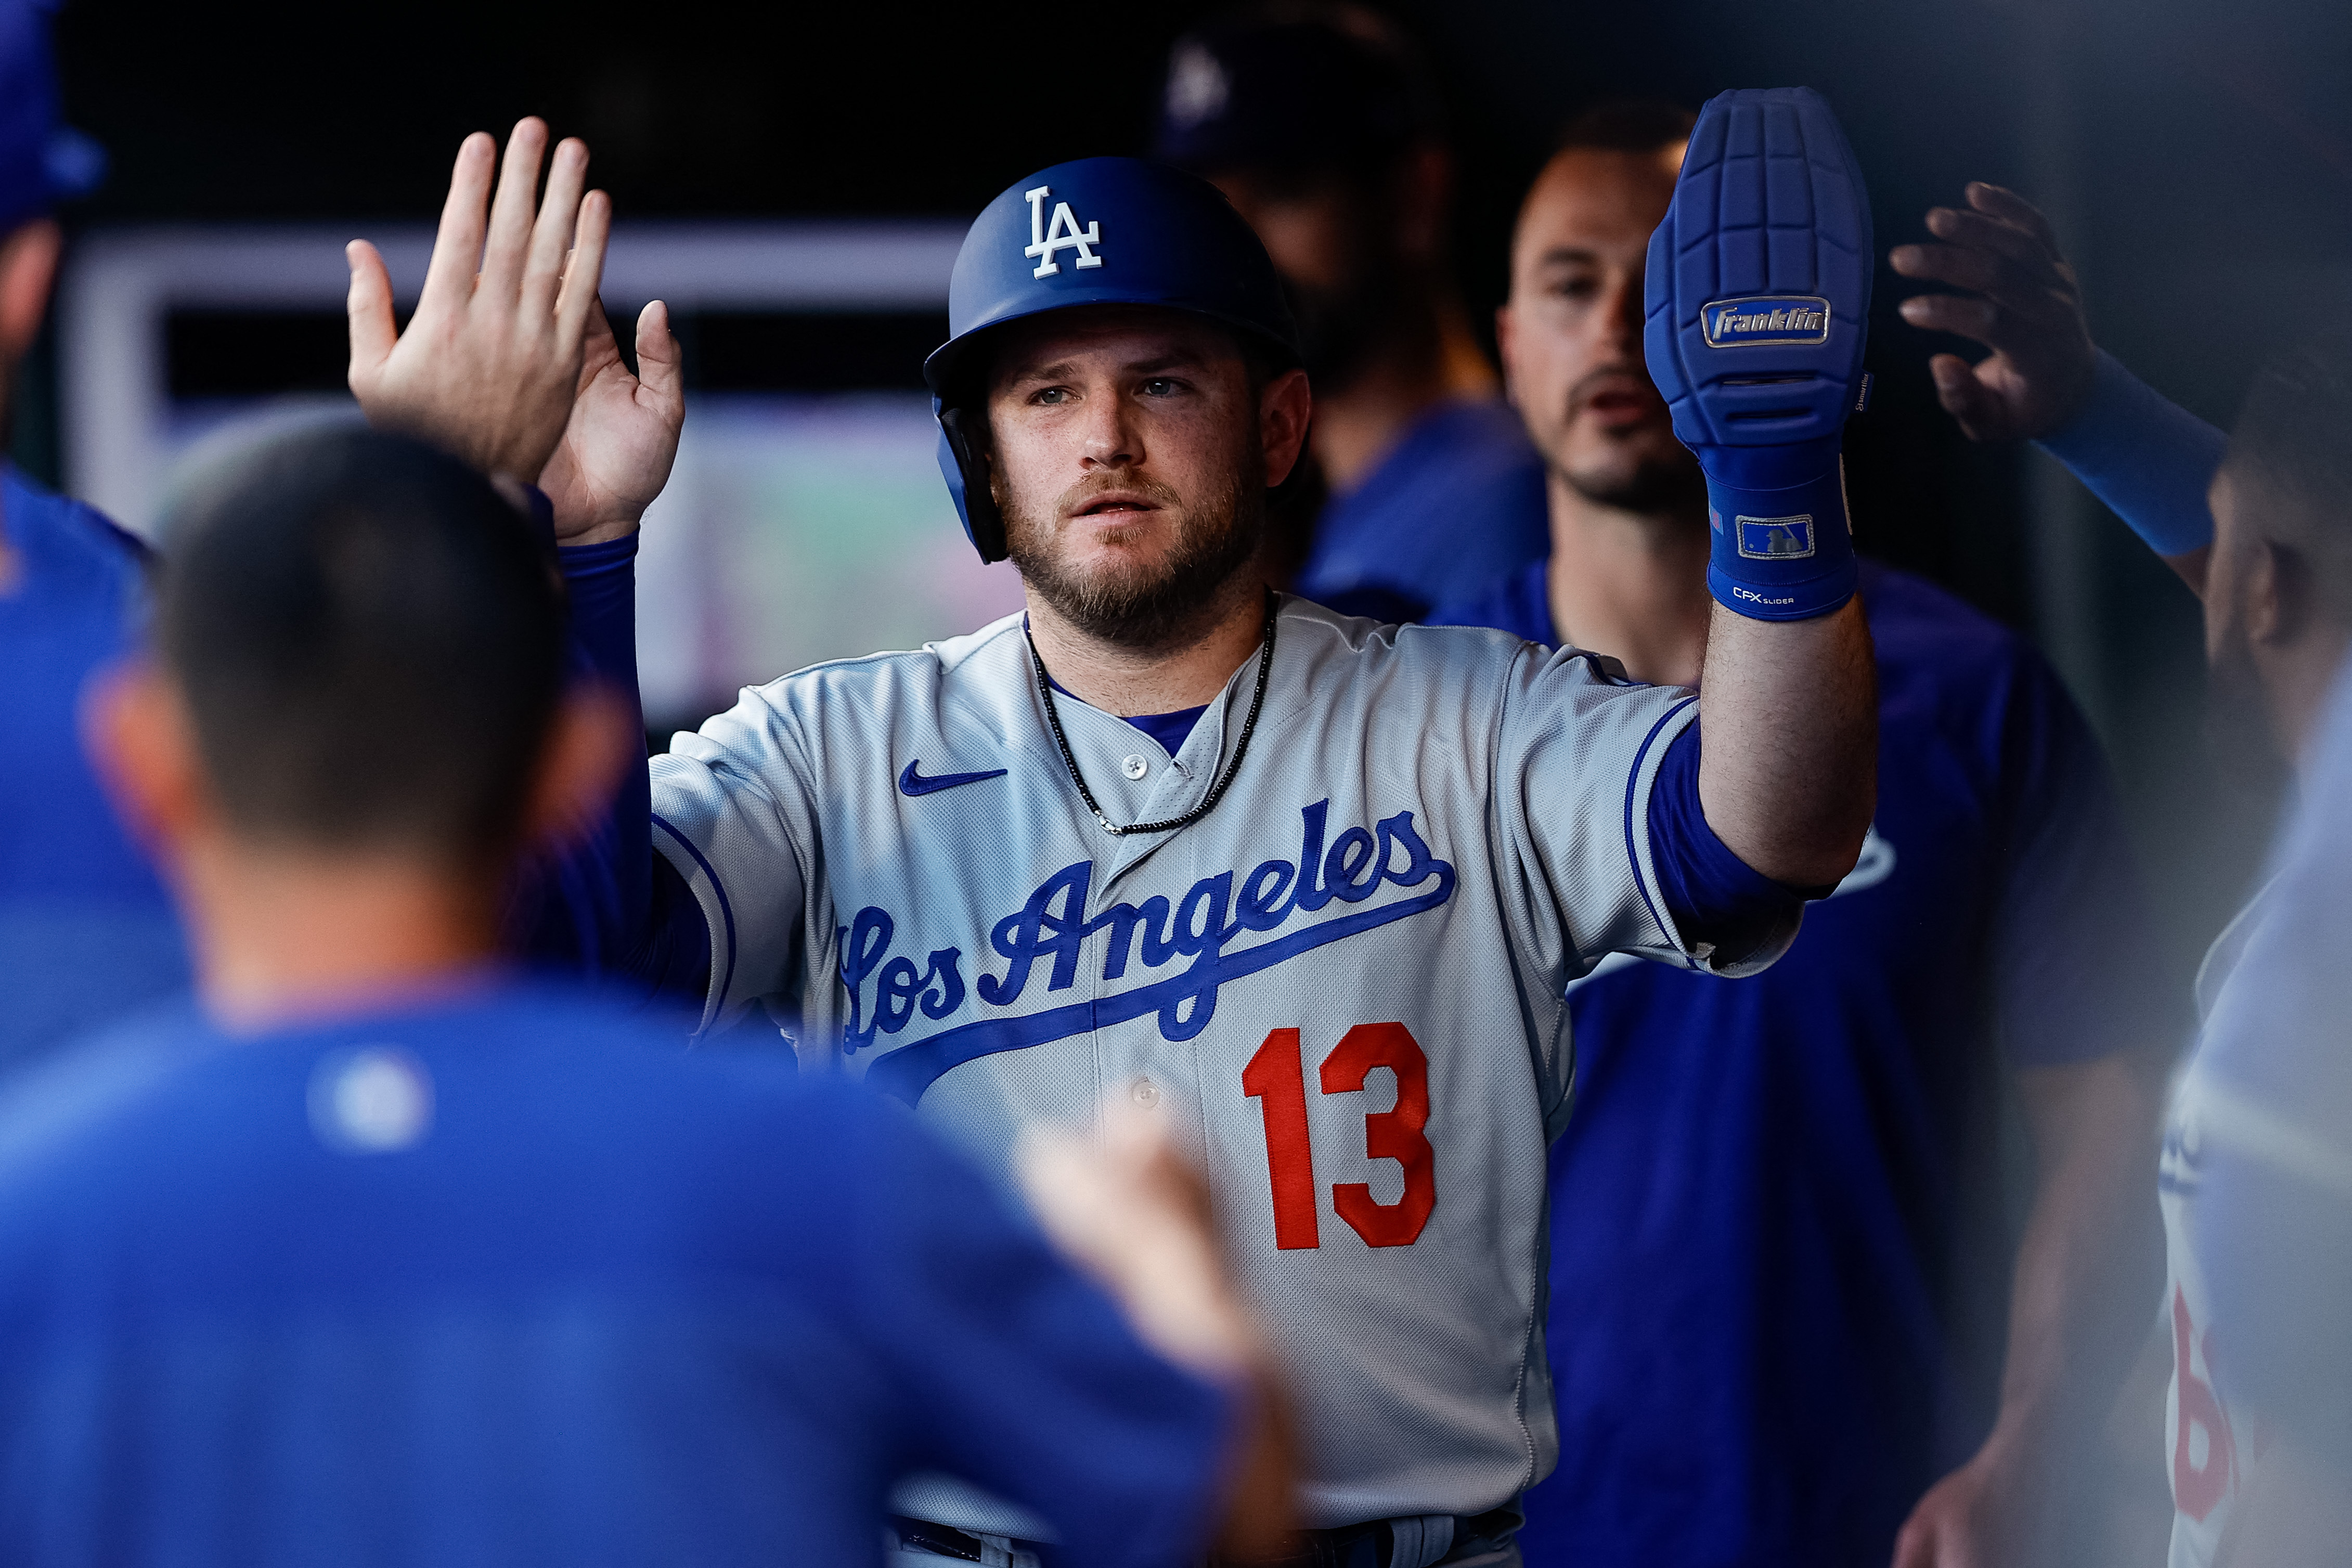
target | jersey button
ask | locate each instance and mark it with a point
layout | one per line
(1146, 1092)
(1134, 765)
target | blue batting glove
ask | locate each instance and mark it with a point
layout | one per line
(1758, 307)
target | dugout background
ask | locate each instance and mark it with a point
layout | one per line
(2197, 157)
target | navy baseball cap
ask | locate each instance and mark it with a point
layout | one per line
(1108, 231)
(42, 163)
(1293, 88)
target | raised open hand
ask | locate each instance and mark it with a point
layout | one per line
(2025, 306)
(490, 361)
(617, 452)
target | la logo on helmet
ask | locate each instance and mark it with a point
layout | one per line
(1062, 233)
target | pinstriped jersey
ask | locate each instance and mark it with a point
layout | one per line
(1342, 985)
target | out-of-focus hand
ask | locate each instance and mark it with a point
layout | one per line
(490, 362)
(1977, 1516)
(2024, 305)
(618, 449)
(1130, 1210)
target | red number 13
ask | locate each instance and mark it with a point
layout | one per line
(1276, 1080)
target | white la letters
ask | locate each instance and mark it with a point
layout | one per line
(1061, 233)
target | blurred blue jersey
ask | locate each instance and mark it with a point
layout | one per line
(1762, 1223)
(494, 1280)
(86, 932)
(1458, 501)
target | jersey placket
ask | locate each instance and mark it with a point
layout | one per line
(1133, 1062)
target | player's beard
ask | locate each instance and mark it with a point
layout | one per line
(1655, 486)
(1658, 482)
(1135, 605)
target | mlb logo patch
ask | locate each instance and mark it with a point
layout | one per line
(1776, 538)
(1760, 320)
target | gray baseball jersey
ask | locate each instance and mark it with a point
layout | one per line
(1344, 983)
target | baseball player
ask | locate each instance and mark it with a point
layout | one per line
(381, 1254)
(1798, 1153)
(2264, 1133)
(1309, 887)
(1320, 124)
(85, 928)
(2253, 523)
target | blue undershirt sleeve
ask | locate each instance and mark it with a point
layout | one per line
(2149, 460)
(608, 907)
(1711, 894)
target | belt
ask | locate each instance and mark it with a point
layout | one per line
(1370, 1545)
(1374, 1544)
(946, 1541)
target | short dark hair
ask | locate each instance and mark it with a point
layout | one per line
(370, 641)
(1626, 125)
(2292, 442)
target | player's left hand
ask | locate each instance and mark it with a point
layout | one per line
(618, 449)
(1974, 1518)
(489, 365)
(2024, 305)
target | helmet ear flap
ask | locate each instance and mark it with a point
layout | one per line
(959, 433)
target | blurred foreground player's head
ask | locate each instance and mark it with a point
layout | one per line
(356, 697)
(1571, 332)
(2278, 597)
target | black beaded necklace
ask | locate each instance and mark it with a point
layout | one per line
(1216, 792)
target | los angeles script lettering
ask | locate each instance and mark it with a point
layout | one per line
(1052, 928)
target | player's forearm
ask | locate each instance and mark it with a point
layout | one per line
(2086, 1263)
(2149, 460)
(1789, 742)
(593, 911)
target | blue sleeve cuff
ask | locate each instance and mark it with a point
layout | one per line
(602, 581)
(2147, 459)
(1711, 894)
(592, 910)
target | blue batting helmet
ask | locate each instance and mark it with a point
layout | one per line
(1099, 231)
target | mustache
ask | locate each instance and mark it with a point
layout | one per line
(1086, 491)
(1609, 377)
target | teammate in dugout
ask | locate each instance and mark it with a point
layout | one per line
(86, 931)
(1320, 124)
(1763, 1291)
(376, 1251)
(1313, 886)
(2254, 523)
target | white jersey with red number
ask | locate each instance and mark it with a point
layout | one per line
(1344, 983)
(2209, 1446)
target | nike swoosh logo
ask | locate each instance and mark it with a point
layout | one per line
(910, 782)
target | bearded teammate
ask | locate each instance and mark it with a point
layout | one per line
(1801, 1151)
(1311, 886)
(2253, 523)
